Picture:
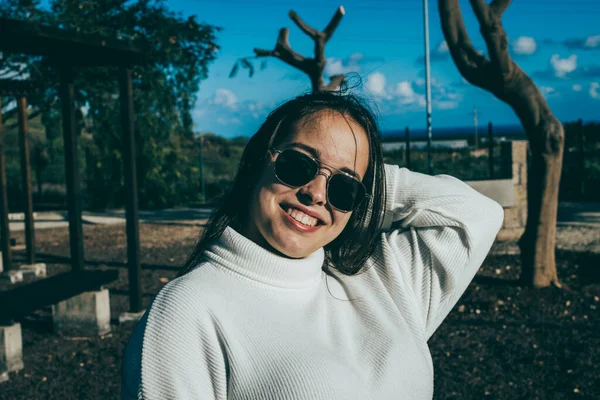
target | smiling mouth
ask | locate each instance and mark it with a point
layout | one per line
(301, 217)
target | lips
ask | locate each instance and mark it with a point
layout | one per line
(303, 210)
(297, 225)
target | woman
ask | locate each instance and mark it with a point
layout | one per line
(322, 275)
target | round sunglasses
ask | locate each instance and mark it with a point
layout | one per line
(295, 169)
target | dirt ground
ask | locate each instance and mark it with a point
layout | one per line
(501, 341)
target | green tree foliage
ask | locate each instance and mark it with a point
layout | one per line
(178, 51)
(221, 159)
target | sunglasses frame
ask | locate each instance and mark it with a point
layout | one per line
(327, 176)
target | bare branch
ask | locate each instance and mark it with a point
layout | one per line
(264, 53)
(313, 67)
(499, 6)
(481, 10)
(494, 36)
(335, 82)
(310, 31)
(333, 24)
(284, 51)
(468, 60)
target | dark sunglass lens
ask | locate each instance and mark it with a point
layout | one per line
(345, 193)
(294, 168)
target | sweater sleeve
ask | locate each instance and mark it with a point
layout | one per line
(181, 353)
(437, 232)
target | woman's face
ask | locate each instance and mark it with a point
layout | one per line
(330, 138)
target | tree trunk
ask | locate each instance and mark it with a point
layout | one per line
(502, 77)
(539, 240)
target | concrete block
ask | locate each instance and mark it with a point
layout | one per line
(521, 196)
(87, 314)
(500, 190)
(519, 174)
(519, 151)
(12, 276)
(131, 317)
(523, 215)
(11, 348)
(513, 218)
(509, 234)
(3, 376)
(38, 270)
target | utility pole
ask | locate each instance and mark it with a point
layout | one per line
(407, 149)
(476, 116)
(428, 87)
(202, 187)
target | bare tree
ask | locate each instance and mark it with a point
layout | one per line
(313, 67)
(500, 75)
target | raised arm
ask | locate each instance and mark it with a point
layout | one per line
(437, 232)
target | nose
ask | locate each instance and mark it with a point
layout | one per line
(315, 191)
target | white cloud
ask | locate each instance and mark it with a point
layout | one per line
(592, 42)
(563, 66)
(406, 94)
(443, 47)
(524, 45)
(409, 95)
(548, 91)
(356, 57)
(225, 98)
(337, 66)
(376, 85)
(446, 104)
(256, 108)
(577, 88)
(595, 90)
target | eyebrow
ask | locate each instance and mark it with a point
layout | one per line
(317, 154)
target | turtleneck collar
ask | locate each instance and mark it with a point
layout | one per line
(241, 255)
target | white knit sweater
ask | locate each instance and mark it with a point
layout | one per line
(248, 324)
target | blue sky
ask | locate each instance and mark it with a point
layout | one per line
(556, 42)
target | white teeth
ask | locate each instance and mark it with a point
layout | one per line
(301, 217)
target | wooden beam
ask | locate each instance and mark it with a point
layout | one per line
(129, 170)
(17, 88)
(4, 227)
(26, 180)
(62, 45)
(24, 299)
(67, 97)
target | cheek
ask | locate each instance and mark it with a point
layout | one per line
(341, 221)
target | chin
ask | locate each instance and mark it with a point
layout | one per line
(289, 248)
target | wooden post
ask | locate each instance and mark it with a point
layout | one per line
(4, 227)
(26, 180)
(407, 149)
(581, 159)
(202, 186)
(491, 149)
(129, 170)
(67, 97)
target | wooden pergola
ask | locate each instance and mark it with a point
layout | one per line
(68, 50)
(18, 89)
